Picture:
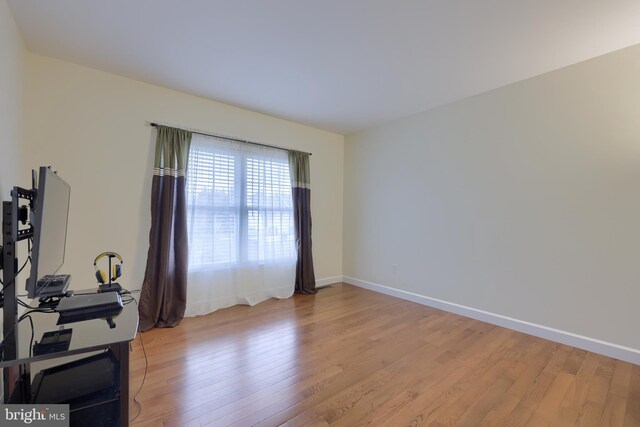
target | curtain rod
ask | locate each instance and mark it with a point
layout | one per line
(154, 124)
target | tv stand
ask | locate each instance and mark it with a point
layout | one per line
(103, 393)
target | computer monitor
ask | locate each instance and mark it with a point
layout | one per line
(49, 220)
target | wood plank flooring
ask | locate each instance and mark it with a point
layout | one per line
(351, 357)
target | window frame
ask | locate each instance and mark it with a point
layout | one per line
(241, 257)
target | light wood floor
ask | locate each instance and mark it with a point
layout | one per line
(351, 357)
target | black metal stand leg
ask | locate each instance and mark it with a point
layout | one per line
(10, 310)
(121, 351)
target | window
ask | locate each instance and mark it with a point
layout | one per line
(239, 207)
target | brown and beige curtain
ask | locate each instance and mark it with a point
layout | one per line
(164, 289)
(301, 193)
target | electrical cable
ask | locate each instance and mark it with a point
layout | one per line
(21, 318)
(28, 260)
(23, 265)
(32, 334)
(129, 301)
(23, 304)
(49, 302)
(144, 377)
(130, 298)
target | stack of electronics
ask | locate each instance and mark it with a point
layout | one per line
(90, 385)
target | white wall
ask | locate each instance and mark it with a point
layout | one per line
(11, 69)
(90, 125)
(523, 201)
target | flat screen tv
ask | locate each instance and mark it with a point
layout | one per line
(49, 220)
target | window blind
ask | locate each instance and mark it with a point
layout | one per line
(239, 204)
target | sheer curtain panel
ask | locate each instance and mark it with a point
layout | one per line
(240, 225)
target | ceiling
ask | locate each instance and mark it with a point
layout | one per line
(339, 65)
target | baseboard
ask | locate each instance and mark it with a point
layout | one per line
(328, 281)
(604, 348)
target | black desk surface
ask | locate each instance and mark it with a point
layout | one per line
(87, 335)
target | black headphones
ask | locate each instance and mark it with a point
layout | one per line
(116, 270)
